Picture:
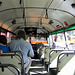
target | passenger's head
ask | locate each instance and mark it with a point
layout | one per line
(3, 40)
(21, 34)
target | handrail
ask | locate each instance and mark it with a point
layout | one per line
(14, 52)
(53, 52)
(60, 55)
(11, 55)
(11, 65)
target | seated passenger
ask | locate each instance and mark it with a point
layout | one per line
(3, 43)
(1, 52)
(54, 43)
(19, 44)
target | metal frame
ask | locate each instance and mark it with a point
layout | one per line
(15, 54)
(60, 56)
(9, 65)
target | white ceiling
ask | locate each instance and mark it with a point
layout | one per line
(32, 13)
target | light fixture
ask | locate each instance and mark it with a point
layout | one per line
(73, 5)
(0, 3)
(46, 16)
(51, 21)
(14, 21)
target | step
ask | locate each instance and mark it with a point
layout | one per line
(37, 68)
(42, 73)
(38, 73)
(36, 62)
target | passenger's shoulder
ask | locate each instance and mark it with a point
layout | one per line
(28, 43)
(13, 41)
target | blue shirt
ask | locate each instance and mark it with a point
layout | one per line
(4, 48)
(23, 46)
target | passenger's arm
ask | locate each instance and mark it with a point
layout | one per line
(1, 52)
(31, 52)
(31, 56)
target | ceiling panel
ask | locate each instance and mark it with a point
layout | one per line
(37, 13)
(36, 3)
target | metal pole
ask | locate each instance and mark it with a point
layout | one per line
(65, 39)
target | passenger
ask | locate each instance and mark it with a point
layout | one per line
(54, 43)
(1, 52)
(3, 43)
(19, 44)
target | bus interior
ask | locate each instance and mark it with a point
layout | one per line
(43, 21)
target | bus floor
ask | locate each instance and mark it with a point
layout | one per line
(37, 68)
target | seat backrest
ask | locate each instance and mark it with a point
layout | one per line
(46, 52)
(41, 50)
(53, 57)
(66, 59)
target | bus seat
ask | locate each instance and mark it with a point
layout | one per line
(44, 52)
(53, 57)
(7, 58)
(47, 51)
(9, 69)
(41, 50)
(54, 53)
(66, 63)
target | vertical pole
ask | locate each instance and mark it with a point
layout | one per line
(24, 13)
(49, 40)
(0, 30)
(65, 39)
(20, 1)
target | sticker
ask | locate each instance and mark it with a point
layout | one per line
(57, 26)
(66, 24)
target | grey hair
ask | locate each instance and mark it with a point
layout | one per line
(21, 34)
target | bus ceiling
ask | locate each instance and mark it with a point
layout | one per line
(45, 16)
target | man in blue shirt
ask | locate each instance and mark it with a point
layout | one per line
(25, 47)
